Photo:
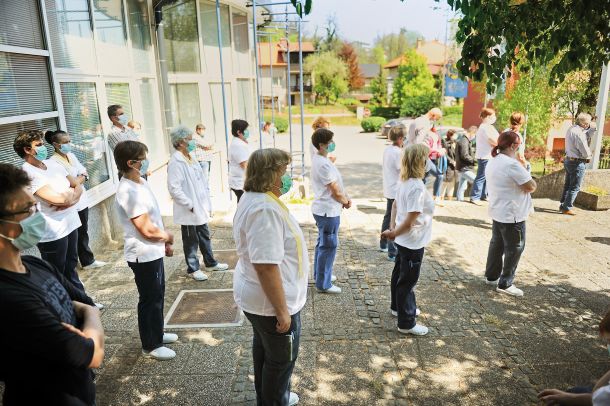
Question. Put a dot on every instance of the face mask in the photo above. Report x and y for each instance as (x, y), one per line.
(41, 153)
(331, 147)
(286, 183)
(65, 148)
(33, 229)
(144, 167)
(492, 119)
(191, 146)
(123, 119)
(247, 134)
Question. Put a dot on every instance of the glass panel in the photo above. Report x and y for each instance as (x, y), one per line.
(181, 36)
(185, 104)
(71, 33)
(152, 129)
(118, 93)
(245, 100)
(8, 132)
(217, 119)
(139, 32)
(242, 63)
(24, 85)
(210, 37)
(83, 124)
(20, 24)
(111, 35)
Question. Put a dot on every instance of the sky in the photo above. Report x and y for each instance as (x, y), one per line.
(363, 20)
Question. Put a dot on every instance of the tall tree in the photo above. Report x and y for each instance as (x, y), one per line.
(414, 90)
(379, 88)
(348, 55)
(396, 44)
(329, 75)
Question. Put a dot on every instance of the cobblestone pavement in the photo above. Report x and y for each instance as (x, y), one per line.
(483, 348)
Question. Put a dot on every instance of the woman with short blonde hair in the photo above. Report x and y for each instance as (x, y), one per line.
(411, 231)
(270, 282)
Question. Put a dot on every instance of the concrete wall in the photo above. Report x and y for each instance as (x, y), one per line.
(551, 186)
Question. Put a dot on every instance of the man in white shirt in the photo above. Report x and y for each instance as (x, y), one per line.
(486, 139)
(239, 152)
(120, 131)
(421, 125)
(578, 154)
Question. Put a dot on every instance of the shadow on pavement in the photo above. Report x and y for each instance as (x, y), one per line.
(464, 222)
(601, 240)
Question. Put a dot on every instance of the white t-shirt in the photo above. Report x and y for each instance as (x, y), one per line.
(485, 133)
(74, 168)
(601, 397)
(133, 200)
(266, 233)
(507, 202)
(392, 157)
(323, 173)
(412, 196)
(418, 130)
(60, 223)
(239, 151)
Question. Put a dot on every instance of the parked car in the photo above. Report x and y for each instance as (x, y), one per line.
(385, 129)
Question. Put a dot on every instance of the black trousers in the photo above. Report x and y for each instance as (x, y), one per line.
(238, 193)
(85, 255)
(63, 254)
(150, 280)
(404, 278)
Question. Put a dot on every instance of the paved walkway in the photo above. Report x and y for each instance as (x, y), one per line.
(483, 348)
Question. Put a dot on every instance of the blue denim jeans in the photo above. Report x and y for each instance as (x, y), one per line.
(274, 356)
(387, 217)
(478, 186)
(575, 173)
(150, 280)
(464, 178)
(326, 249)
(194, 237)
(404, 278)
(505, 249)
(432, 170)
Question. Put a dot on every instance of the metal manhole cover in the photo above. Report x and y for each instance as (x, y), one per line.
(204, 308)
(227, 256)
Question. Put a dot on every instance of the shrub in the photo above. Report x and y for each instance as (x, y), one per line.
(372, 124)
(280, 123)
(415, 106)
(348, 101)
(386, 112)
(452, 110)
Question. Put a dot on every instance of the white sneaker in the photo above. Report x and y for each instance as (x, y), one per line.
(511, 290)
(333, 278)
(417, 330)
(294, 399)
(332, 289)
(395, 313)
(99, 305)
(161, 353)
(493, 283)
(218, 267)
(198, 276)
(383, 249)
(169, 338)
(95, 264)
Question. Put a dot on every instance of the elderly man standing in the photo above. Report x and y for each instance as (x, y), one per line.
(421, 125)
(184, 179)
(120, 131)
(578, 154)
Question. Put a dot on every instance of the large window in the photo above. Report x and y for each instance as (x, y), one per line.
(152, 131)
(245, 100)
(85, 129)
(111, 41)
(181, 36)
(139, 32)
(185, 104)
(243, 62)
(19, 25)
(118, 93)
(209, 27)
(8, 132)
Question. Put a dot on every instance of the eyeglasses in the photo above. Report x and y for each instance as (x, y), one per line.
(34, 208)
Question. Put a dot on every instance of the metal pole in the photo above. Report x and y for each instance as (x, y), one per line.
(288, 94)
(258, 86)
(600, 111)
(222, 84)
(302, 102)
(167, 103)
(272, 99)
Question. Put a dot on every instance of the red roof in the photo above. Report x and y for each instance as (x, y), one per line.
(434, 51)
(278, 50)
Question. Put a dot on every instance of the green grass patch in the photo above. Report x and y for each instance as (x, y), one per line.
(597, 191)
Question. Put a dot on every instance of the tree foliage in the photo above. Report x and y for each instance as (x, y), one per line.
(394, 45)
(379, 88)
(348, 55)
(414, 89)
(570, 92)
(329, 75)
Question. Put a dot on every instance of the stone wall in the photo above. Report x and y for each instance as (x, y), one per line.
(551, 186)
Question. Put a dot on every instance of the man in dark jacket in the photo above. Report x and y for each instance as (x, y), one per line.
(465, 159)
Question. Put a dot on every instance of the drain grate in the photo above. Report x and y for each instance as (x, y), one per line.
(204, 308)
(227, 256)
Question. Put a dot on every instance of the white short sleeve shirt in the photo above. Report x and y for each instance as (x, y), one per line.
(60, 223)
(392, 157)
(485, 133)
(74, 168)
(412, 196)
(601, 397)
(323, 173)
(266, 233)
(239, 151)
(133, 200)
(507, 202)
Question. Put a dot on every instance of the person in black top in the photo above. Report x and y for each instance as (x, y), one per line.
(464, 161)
(50, 331)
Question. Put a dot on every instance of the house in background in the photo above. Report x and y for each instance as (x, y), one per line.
(369, 72)
(273, 56)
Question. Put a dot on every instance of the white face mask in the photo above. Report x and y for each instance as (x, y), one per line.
(492, 119)
(123, 120)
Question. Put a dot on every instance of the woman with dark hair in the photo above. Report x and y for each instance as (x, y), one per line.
(239, 152)
(509, 187)
(60, 140)
(450, 145)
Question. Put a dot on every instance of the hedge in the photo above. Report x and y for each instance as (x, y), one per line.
(386, 112)
(280, 123)
(372, 124)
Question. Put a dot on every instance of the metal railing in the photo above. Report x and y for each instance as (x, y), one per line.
(306, 88)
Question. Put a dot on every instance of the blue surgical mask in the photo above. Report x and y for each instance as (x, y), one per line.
(144, 167)
(65, 148)
(247, 134)
(190, 147)
(286, 183)
(33, 228)
(123, 120)
(331, 147)
(41, 153)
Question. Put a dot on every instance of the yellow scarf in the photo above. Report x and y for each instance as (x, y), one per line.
(293, 231)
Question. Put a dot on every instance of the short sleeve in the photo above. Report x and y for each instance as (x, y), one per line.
(37, 181)
(265, 236)
(132, 202)
(80, 169)
(327, 173)
(398, 160)
(415, 200)
(519, 174)
(242, 153)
